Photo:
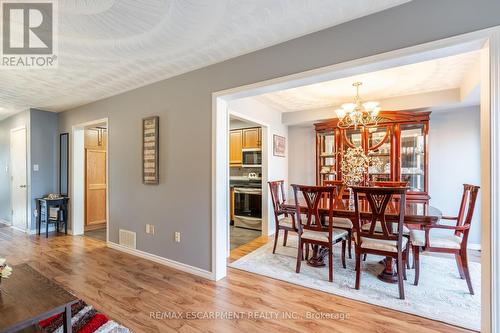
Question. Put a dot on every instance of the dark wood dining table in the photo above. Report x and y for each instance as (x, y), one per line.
(417, 215)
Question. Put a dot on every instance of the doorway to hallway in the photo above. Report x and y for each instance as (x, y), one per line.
(18, 178)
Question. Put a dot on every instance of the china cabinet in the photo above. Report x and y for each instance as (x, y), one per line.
(398, 142)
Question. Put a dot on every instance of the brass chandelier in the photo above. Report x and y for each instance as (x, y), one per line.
(358, 113)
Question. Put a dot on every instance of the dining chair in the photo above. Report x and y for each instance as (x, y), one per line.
(284, 219)
(406, 230)
(341, 222)
(312, 231)
(390, 241)
(455, 243)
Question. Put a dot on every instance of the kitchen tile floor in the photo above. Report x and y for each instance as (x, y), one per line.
(241, 236)
(99, 234)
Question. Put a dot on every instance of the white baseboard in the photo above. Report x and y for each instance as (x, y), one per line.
(163, 261)
(476, 247)
(19, 229)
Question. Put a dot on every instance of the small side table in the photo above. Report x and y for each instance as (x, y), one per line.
(43, 206)
(28, 297)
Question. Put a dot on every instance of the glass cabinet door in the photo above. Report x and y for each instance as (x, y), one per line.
(412, 152)
(379, 147)
(327, 158)
(353, 137)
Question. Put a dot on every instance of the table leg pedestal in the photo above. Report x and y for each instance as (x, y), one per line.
(319, 255)
(389, 274)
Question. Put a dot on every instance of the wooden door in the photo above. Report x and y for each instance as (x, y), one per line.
(235, 146)
(95, 189)
(251, 138)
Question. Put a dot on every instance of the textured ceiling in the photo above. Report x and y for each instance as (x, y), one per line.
(110, 46)
(428, 76)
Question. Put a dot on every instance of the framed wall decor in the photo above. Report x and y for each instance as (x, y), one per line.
(150, 151)
(64, 164)
(279, 145)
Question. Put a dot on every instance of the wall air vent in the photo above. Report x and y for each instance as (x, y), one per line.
(127, 238)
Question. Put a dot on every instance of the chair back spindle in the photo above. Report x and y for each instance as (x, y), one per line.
(313, 196)
(277, 189)
(378, 199)
(466, 211)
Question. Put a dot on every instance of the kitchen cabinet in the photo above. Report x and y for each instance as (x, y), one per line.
(246, 138)
(235, 147)
(252, 138)
(398, 142)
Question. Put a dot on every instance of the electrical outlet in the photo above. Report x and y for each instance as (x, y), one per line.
(177, 237)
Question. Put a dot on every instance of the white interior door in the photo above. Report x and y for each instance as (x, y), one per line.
(18, 177)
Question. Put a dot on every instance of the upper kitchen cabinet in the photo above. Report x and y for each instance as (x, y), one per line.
(235, 147)
(252, 138)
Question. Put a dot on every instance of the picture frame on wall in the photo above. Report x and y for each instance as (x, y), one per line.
(150, 150)
(279, 145)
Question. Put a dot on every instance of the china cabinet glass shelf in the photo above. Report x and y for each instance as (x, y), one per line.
(398, 142)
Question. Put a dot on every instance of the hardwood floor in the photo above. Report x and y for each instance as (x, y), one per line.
(129, 289)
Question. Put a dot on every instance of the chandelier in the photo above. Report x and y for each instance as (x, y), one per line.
(358, 113)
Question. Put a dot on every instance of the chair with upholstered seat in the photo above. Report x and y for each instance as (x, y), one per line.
(455, 243)
(284, 219)
(313, 231)
(406, 230)
(390, 242)
(341, 222)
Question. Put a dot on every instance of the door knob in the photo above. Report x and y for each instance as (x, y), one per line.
(22, 186)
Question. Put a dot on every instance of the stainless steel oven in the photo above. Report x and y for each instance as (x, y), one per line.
(248, 207)
(252, 157)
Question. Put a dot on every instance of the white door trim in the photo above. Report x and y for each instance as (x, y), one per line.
(12, 131)
(440, 48)
(77, 178)
(267, 226)
(494, 258)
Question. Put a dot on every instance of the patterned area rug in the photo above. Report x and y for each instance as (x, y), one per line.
(441, 295)
(84, 319)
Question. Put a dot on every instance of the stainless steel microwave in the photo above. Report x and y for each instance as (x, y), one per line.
(252, 157)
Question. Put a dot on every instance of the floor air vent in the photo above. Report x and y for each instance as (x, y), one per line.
(127, 238)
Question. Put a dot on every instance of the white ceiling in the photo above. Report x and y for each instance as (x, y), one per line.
(436, 75)
(107, 47)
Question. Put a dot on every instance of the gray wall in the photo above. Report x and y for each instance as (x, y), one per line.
(454, 160)
(182, 200)
(17, 120)
(44, 152)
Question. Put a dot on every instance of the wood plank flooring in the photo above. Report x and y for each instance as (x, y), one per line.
(129, 289)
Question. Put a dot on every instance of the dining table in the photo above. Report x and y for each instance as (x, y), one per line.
(417, 215)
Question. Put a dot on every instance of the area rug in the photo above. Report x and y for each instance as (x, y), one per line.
(441, 295)
(84, 319)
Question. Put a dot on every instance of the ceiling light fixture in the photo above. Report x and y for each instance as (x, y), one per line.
(358, 113)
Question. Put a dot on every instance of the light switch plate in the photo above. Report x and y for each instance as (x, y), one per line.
(177, 237)
(150, 229)
(36, 167)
